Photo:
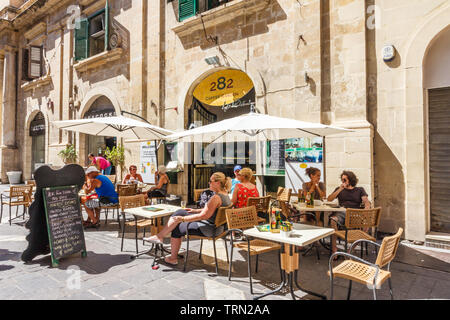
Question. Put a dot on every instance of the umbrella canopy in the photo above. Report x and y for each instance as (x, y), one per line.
(120, 126)
(255, 127)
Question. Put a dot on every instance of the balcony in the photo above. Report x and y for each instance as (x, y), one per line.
(99, 60)
(219, 14)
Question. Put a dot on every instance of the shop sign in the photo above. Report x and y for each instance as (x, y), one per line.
(223, 87)
(37, 127)
(149, 161)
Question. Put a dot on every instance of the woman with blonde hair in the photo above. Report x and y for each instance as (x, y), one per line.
(199, 222)
(245, 189)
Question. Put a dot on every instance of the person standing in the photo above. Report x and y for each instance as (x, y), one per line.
(101, 164)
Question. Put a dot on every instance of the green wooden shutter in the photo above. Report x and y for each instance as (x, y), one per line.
(186, 9)
(82, 40)
(106, 25)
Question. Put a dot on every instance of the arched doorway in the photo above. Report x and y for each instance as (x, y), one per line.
(102, 107)
(437, 85)
(220, 95)
(37, 134)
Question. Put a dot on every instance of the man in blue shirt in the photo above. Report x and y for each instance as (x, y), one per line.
(105, 191)
(235, 181)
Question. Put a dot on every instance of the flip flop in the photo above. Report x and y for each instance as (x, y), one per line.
(170, 263)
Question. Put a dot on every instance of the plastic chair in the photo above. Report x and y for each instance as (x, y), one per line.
(219, 221)
(239, 220)
(364, 272)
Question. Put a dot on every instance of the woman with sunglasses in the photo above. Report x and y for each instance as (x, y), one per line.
(349, 196)
(133, 176)
(200, 222)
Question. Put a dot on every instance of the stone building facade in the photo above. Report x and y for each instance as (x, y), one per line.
(312, 60)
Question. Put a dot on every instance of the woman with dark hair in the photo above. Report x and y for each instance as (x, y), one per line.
(314, 188)
(349, 196)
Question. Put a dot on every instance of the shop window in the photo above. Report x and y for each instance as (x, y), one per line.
(33, 63)
(189, 8)
(91, 38)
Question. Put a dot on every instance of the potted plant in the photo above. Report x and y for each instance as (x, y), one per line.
(69, 154)
(116, 156)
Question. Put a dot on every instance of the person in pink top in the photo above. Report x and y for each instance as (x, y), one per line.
(101, 163)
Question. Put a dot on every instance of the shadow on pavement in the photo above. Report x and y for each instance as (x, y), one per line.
(94, 263)
(411, 256)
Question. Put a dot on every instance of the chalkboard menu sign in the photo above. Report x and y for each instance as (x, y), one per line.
(64, 222)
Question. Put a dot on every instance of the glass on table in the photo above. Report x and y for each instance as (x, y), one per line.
(183, 204)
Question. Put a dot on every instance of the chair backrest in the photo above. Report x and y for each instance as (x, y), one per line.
(285, 209)
(262, 204)
(242, 218)
(284, 194)
(362, 218)
(388, 249)
(20, 191)
(112, 178)
(125, 190)
(221, 217)
(197, 193)
(131, 202)
(30, 182)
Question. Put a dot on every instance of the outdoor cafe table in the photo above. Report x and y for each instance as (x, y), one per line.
(322, 208)
(167, 210)
(302, 235)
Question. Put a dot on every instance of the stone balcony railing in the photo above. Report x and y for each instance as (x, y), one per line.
(219, 15)
(99, 60)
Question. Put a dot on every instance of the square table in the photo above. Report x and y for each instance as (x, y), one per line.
(302, 235)
(167, 210)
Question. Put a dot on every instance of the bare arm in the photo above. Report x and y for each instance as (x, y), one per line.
(140, 178)
(127, 177)
(235, 193)
(367, 204)
(333, 196)
(97, 164)
(207, 212)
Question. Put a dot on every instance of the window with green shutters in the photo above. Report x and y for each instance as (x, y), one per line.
(82, 40)
(187, 9)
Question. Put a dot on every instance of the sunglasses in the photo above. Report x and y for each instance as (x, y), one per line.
(211, 181)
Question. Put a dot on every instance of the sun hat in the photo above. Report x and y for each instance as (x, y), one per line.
(91, 169)
(237, 168)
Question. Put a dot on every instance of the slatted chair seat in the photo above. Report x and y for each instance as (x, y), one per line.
(354, 235)
(360, 272)
(258, 246)
(364, 272)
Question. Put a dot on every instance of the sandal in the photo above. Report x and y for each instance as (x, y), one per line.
(170, 263)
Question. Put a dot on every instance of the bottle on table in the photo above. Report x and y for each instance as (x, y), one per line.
(310, 200)
(273, 221)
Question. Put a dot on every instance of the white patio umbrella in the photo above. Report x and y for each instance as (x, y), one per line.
(255, 127)
(120, 126)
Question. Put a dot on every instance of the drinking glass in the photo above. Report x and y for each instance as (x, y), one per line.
(183, 204)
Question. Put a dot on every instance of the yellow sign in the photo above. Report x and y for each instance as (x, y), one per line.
(303, 166)
(223, 87)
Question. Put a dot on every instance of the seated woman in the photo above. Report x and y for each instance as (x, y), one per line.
(315, 188)
(349, 196)
(162, 182)
(201, 221)
(245, 189)
(133, 176)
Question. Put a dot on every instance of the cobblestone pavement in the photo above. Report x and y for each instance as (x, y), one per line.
(108, 273)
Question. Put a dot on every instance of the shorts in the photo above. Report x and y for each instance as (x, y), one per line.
(340, 218)
(92, 203)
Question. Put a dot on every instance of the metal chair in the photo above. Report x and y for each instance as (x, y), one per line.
(356, 220)
(123, 190)
(364, 272)
(18, 196)
(262, 205)
(220, 221)
(127, 202)
(239, 220)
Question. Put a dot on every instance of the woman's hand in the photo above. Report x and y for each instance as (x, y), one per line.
(178, 219)
(188, 209)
